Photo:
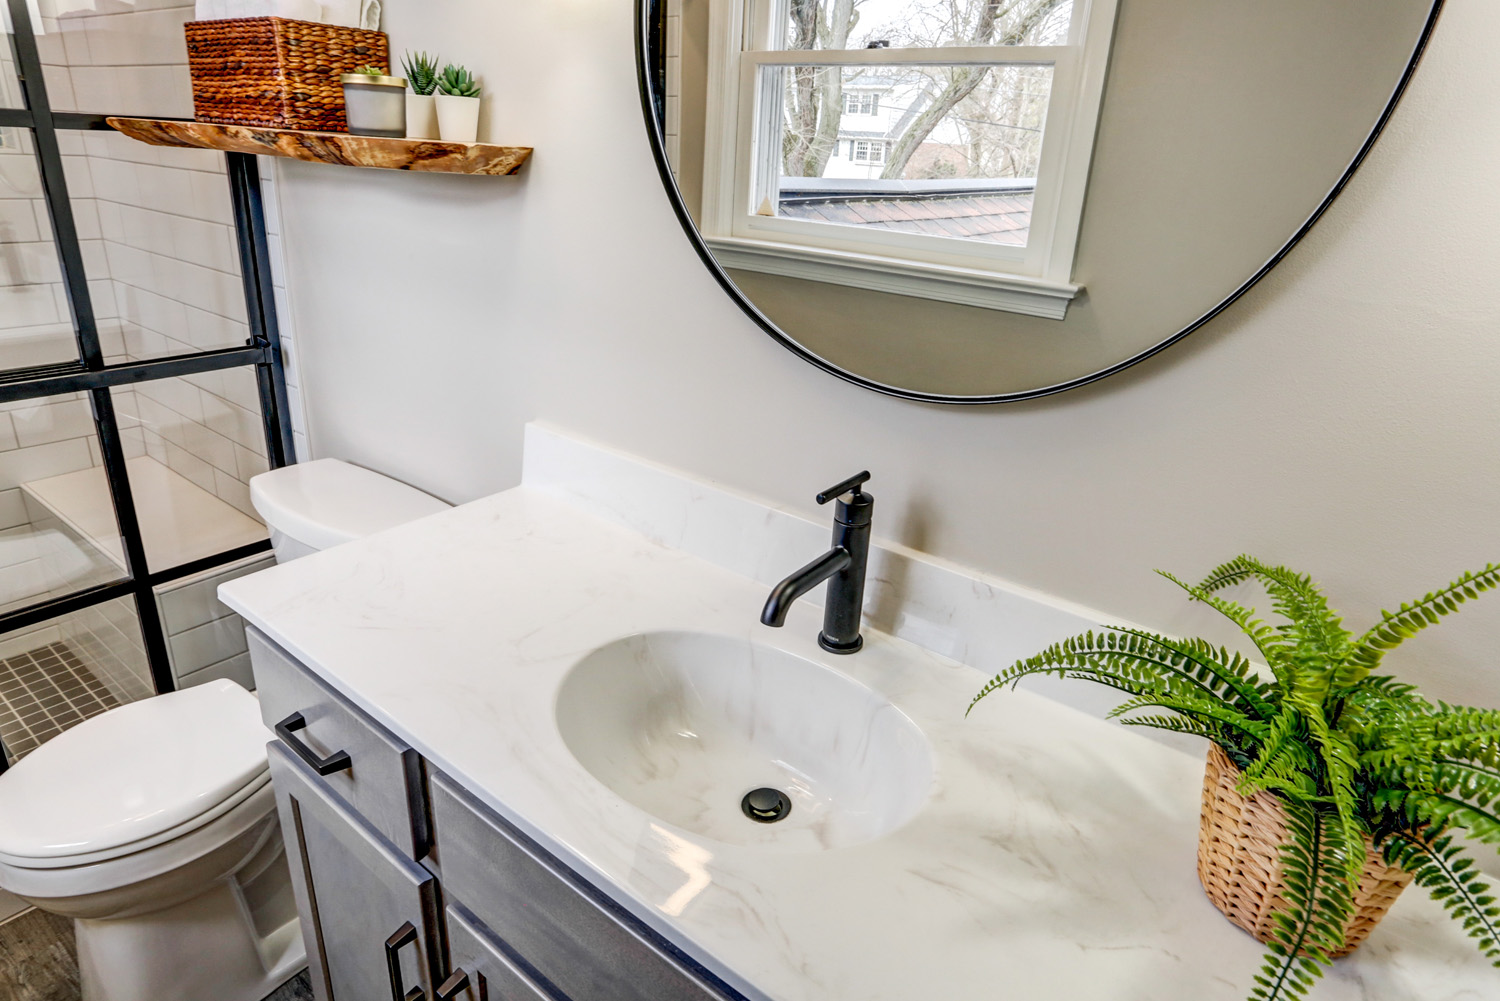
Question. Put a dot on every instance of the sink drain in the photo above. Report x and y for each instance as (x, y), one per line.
(766, 806)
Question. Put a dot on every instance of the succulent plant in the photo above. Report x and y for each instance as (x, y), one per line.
(370, 71)
(455, 81)
(421, 72)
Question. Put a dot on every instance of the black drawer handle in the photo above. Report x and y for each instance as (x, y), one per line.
(453, 986)
(335, 762)
(404, 936)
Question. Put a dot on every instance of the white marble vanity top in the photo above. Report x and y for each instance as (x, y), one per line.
(1054, 860)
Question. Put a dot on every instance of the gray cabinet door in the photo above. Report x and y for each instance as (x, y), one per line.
(588, 949)
(479, 970)
(369, 915)
(381, 776)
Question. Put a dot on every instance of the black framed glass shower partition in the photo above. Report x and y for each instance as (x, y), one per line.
(61, 372)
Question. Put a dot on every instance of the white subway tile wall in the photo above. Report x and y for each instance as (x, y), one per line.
(157, 235)
(159, 244)
(206, 639)
(35, 328)
(41, 556)
(270, 172)
(10, 82)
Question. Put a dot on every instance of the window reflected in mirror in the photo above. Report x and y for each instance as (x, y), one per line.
(870, 24)
(937, 149)
(902, 158)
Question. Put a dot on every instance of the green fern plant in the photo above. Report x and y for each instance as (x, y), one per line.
(421, 72)
(1349, 752)
(456, 81)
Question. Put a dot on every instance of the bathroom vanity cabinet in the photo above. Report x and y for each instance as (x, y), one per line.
(410, 889)
(478, 687)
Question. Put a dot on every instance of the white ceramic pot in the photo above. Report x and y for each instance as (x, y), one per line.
(458, 118)
(421, 116)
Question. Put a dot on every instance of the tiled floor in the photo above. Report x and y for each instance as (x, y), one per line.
(44, 692)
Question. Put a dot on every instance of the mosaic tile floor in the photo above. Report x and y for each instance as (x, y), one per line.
(44, 692)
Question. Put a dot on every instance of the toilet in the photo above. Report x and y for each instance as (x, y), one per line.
(153, 825)
(321, 504)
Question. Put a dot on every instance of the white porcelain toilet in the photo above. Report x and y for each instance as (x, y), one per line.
(321, 504)
(154, 827)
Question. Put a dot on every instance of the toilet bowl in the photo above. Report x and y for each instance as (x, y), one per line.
(153, 826)
(321, 504)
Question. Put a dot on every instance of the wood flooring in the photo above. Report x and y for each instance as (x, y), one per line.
(37, 959)
(38, 962)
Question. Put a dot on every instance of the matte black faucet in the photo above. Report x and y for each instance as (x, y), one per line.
(843, 567)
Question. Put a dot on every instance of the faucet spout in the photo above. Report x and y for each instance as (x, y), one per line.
(843, 567)
(784, 594)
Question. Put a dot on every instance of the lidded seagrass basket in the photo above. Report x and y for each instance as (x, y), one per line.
(1239, 860)
(277, 73)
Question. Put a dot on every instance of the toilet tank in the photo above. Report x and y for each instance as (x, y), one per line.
(321, 504)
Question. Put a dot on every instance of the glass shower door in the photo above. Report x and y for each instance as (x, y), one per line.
(140, 374)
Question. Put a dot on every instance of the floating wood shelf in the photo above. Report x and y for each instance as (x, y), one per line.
(427, 155)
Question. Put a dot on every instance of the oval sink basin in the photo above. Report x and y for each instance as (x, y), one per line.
(686, 726)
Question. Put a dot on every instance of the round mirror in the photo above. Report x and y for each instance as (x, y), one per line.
(979, 201)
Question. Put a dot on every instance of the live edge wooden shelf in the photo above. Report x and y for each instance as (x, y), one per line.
(427, 155)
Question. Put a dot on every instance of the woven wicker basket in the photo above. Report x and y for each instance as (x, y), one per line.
(277, 73)
(1239, 860)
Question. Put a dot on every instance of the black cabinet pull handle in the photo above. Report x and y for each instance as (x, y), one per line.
(403, 936)
(453, 986)
(335, 762)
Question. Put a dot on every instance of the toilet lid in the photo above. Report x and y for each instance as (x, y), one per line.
(326, 502)
(134, 773)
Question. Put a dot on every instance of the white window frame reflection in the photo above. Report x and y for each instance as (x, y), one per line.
(742, 168)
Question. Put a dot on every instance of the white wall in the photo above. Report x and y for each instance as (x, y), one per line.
(1343, 418)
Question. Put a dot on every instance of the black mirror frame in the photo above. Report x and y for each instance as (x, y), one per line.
(647, 12)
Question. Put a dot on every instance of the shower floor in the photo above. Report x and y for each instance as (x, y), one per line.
(44, 692)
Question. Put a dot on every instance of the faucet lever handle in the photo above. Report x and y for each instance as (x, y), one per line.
(838, 490)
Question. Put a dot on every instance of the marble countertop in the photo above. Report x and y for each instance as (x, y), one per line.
(1054, 861)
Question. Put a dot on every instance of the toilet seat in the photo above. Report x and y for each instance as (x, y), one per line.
(133, 778)
(252, 816)
(132, 847)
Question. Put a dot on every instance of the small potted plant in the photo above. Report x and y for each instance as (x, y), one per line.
(375, 104)
(421, 103)
(458, 104)
(1329, 787)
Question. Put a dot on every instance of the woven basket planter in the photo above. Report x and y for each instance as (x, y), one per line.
(277, 73)
(1239, 860)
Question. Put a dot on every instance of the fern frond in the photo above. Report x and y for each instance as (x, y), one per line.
(1315, 636)
(1140, 666)
(1340, 768)
(1207, 712)
(1285, 738)
(1439, 812)
(1318, 907)
(1176, 724)
(1272, 650)
(1226, 575)
(1411, 618)
(1449, 876)
(1227, 674)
